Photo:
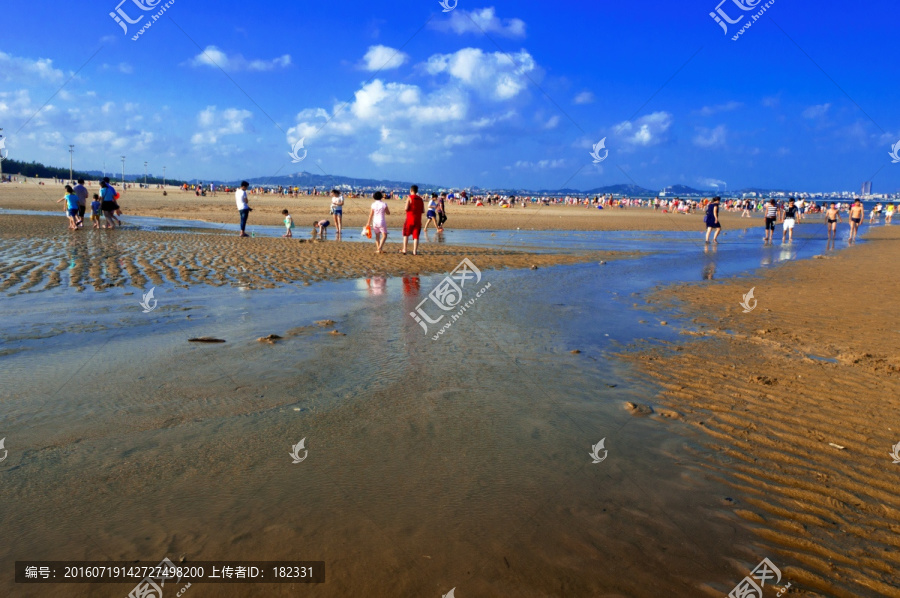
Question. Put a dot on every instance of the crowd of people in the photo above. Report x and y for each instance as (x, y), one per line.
(105, 203)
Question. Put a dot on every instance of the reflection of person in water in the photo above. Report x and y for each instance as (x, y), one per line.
(709, 270)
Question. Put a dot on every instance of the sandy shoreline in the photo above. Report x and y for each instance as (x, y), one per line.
(815, 364)
(267, 211)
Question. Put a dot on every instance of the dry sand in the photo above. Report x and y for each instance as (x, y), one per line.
(267, 211)
(815, 364)
(39, 253)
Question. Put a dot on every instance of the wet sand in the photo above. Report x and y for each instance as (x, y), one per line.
(39, 253)
(815, 364)
(267, 211)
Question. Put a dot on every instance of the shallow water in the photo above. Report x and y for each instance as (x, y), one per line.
(458, 462)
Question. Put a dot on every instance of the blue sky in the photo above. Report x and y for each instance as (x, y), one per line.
(490, 93)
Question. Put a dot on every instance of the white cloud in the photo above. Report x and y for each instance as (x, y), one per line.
(585, 97)
(646, 131)
(214, 124)
(122, 67)
(771, 101)
(709, 138)
(482, 20)
(493, 75)
(540, 164)
(817, 111)
(380, 58)
(22, 70)
(552, 123)
(214, 57)
(726, 107)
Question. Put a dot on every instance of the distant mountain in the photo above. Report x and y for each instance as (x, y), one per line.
(327, 181)
(629, 190)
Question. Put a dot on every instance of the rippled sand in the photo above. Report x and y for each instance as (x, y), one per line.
(39, 253)
(815, 364)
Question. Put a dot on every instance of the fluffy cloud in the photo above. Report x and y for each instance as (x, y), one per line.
(492, 75)
(540, 164)
(817, 111)
(585, 97)
(646, 131)
(709, 138)
(24, 70)
(214, 124)
(380, 58)
(483, 20)
(214, 57)
(726, 107)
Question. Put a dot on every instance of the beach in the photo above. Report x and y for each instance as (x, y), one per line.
(454, 460)
(304, 209)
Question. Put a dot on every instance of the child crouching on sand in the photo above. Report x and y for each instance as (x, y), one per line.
(320, 226)
(288, 224)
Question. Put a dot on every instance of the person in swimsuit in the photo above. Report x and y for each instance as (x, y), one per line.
(377, 220)
(889, 213)
(832, 217)
(712, 219)
(857, 213)
(791, 217)
(771, 216)
(320, 227)
(431, 214)
(415, 207)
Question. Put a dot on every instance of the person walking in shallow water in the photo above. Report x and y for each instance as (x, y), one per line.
(712, 219)
(857, 213)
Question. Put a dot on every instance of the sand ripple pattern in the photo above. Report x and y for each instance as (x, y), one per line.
(831, 515)
(36, 255)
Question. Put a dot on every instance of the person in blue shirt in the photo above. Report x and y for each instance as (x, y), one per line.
(95, 211)
(71, 206)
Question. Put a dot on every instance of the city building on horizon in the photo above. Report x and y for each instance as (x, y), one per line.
(867, 188)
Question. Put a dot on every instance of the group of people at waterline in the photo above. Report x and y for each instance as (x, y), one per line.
(376, 224)
(788, 216)
(105, 203)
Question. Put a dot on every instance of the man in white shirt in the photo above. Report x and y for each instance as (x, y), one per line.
(243, 206)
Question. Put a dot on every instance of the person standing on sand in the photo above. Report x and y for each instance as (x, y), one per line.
(377, 220)
(857, 213)
(337, 209)
(832, 217)
(415, 207)
(243, 206)
(114, 197)
(712, 219)
(791, 217)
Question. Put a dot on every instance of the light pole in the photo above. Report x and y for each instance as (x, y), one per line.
(71, 153)
(1, 155)
(145, 174)
(164, 178)
(123, 174)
